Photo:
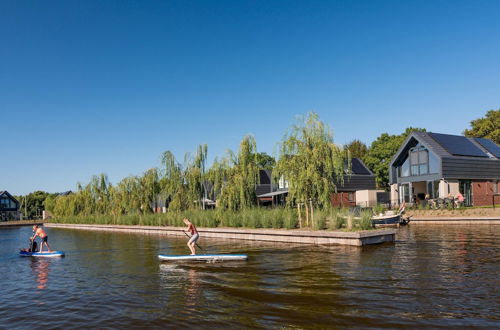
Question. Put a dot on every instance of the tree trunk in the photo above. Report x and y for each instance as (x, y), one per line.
(307, 213)
(300, 215)
(312, 211)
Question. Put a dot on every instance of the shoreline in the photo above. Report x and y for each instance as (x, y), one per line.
(359, 238)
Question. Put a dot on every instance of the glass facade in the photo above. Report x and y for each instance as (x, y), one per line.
(7, 203)
(419, 162)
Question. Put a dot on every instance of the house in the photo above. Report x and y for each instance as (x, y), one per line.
(441, 165)
(269, 194)
(358, 189)
(9, 207)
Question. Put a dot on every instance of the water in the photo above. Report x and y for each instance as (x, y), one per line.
(435, 276)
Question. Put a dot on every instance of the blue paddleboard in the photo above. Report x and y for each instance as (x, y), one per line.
(208, 257)
(42, 254)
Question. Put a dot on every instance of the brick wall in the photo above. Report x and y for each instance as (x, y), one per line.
(342, 199)
(482, 193)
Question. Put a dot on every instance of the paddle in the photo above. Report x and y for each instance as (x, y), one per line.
(194, 242)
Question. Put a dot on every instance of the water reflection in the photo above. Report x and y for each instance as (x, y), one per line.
(431, 277)
(40, 268)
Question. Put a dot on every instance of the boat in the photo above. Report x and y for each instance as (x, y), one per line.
(203, 257)
(51, 254)
(386, 220)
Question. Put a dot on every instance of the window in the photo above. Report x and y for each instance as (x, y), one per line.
(419, 162)
(350, 197)
(495, 186)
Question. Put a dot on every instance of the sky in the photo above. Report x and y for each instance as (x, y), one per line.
(89, 87)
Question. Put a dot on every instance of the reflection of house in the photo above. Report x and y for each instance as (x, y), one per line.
(442, 164)
(358, 189)
(9, 207)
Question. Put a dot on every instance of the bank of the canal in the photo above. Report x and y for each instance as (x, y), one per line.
(356, 238)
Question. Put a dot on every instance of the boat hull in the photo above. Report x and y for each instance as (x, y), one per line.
(389, 220)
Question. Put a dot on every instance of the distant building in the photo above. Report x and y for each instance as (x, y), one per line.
(441, 165)
(9, 207)
(358, 189)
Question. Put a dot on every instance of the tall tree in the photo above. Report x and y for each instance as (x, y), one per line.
(357, 149)
(487, 127)
(264, 161)
(381, 152)
(311, 162)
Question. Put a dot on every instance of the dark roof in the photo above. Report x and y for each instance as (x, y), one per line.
(490, 146)
(458, 145)
(2, 192)
(359, 168)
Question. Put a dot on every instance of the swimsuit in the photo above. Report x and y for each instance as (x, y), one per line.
(45, 239)
(194, 238)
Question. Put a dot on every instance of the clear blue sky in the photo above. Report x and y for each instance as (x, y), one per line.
(106, 86)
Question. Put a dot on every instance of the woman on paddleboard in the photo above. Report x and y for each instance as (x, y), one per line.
(194, 235)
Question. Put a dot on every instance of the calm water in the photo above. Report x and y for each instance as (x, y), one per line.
(431, 277)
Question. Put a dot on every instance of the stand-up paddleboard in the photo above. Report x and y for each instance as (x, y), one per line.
(42, 254)
(205, 257)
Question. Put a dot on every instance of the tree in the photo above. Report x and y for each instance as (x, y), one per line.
(311, 162)
(381, 152)
(487, 127)
(357, 149)
(264, 161)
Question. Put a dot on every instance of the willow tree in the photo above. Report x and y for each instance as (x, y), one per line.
(311, 163)
(194, 176)
(235, 177)
(172, 181)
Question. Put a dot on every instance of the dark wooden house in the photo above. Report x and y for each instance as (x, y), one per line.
(9, 207)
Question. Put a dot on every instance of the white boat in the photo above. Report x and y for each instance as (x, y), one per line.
(204, 257)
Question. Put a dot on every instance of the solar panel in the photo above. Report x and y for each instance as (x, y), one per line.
(358, 168)
(490, 146)
(458, 145)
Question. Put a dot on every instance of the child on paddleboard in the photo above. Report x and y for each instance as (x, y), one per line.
(43, 235)
(194, 235)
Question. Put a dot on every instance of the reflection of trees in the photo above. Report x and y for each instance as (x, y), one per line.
(40, 268)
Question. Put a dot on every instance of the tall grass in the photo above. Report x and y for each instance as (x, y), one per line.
(277, 218)
(248, 218)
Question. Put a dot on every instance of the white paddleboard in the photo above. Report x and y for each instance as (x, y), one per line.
(209, 257)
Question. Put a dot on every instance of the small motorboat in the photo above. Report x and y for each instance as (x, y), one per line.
(386, 220)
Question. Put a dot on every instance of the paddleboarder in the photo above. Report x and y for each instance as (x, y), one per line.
(194, 235)
(43, 235)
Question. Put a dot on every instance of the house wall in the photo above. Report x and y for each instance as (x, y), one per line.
(394, 194)
(366, 198)
(482, 192)
(341, 199)
(466, 168)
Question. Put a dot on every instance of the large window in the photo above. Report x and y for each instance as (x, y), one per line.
(7, 203)
(419, 162)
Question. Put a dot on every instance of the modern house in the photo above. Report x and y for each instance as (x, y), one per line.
(358, 189)
(9, 207)
(441, 165)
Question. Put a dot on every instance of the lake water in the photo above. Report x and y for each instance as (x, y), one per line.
(433, 276)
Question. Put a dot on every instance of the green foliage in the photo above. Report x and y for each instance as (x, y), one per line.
(487, 127)
(365, 221)
(264, 161)
(337, 219)
(32, 204)
(357, 149)
(311, 162)
(381, 152)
